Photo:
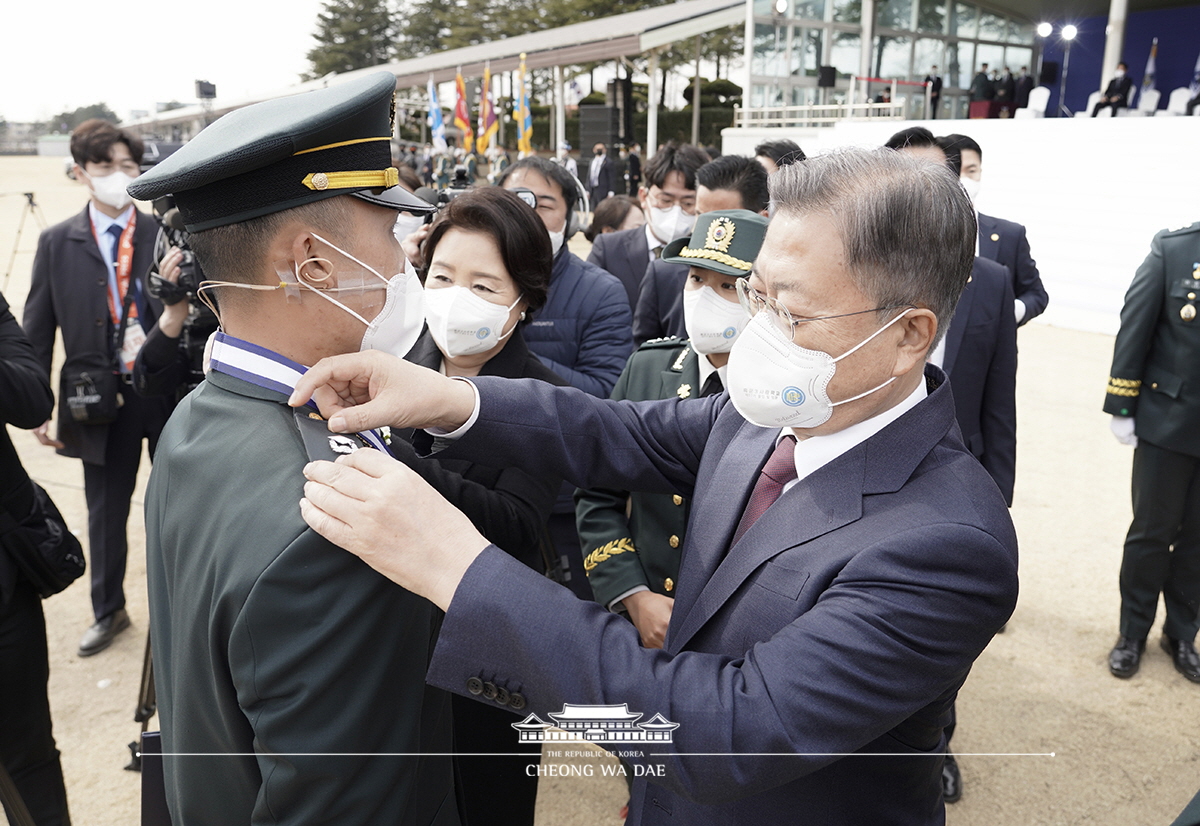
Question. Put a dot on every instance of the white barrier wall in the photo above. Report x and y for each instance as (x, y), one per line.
(1091, 192)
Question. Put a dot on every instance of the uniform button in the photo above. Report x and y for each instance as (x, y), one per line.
(673, 541)
(517, 701)
(1153, 385)
(668, 585)
(99, 322)
(677, 499)
(502, 696)
(490, 690)
(475, 685)
(99, 282)
(1191, 296)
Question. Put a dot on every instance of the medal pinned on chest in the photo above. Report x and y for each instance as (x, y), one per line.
(1188, 311)
(319, 443)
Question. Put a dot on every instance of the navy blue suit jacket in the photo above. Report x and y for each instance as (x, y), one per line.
(981, 360)
(1005, 243)
(844, 621)
(626, 255)
(659, 309)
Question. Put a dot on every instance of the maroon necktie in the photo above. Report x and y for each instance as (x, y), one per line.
(777, 472)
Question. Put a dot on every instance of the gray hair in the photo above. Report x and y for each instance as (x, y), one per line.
(907, 226)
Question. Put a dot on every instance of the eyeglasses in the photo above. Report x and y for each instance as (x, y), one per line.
(754, 302)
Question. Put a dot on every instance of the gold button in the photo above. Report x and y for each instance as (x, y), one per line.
(995, 236)
(1153, 385)
(668, 585)
(320, 181)
(673, 541)
(1191, 296)
(677, 499)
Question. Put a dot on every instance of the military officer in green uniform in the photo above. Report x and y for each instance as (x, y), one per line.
(1154, 398)
(297, 673)
(632, 561)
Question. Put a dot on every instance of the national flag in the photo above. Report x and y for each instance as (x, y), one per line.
(1195, 87)
(437, 129)
(462, 113)
(524, 116)
(1148, 78)
(488, 125)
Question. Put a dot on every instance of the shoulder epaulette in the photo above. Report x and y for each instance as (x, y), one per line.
(1181, 230)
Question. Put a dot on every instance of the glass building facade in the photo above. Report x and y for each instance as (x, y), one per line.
(793, 38)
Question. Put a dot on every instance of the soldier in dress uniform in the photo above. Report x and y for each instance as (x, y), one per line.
(632, 561)
(1154, 398)
(270, 645)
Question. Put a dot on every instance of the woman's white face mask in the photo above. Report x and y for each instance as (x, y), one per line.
(464, 324)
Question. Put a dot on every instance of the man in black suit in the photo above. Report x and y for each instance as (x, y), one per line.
(1002, 241)
(633, 169)
(1006, 86)
(981, 86)
(1024, 87)
(87, 281)
(729, 182)
(600, 175)
(27, 750)
(934, 81)
(1116, 94)
(669, 201)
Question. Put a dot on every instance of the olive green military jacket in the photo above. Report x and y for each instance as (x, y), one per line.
(1155, 374)
(635, 539)
(275, 647)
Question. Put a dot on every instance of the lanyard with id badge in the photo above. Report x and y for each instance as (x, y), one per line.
(121, 305)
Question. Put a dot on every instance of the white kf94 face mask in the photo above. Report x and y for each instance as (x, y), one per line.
(712, 323)
(462, 323)
(775, 383)
(112, 189)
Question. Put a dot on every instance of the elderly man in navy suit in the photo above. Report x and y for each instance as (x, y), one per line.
(846, 560)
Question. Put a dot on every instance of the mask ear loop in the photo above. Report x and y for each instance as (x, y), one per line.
(860, 344)
(204, 286)
(360, 286)
(518, 321)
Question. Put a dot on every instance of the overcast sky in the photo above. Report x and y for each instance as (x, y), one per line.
(62, 54)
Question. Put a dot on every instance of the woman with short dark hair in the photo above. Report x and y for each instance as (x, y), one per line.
(615, 214)
(488, 272)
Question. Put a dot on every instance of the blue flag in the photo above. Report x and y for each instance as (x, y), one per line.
(437, 129)
(1195, 87)
(1148, 78)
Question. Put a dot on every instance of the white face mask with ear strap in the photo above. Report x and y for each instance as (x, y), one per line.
(462, 323)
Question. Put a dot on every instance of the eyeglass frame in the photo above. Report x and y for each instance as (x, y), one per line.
(748, 297)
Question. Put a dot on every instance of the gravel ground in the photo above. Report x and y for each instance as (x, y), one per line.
(1045, 734)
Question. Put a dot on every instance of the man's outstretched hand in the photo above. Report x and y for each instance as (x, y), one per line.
(361, 391)
(383, 512)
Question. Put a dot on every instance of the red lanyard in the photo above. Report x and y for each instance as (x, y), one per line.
(123, 267)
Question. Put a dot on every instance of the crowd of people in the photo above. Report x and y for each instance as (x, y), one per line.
(747, 466)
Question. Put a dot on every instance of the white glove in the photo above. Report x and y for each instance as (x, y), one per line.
(1020, 309)
(1122, 428)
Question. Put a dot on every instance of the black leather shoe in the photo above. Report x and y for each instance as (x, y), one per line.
(1126, 656)
(1183, 653)
(101, 635)
(951, 780)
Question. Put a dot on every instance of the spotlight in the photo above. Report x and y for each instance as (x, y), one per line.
(1069, 32)
(1044, 29)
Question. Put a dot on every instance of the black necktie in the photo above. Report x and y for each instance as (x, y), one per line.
(712, 385)
(114, 231)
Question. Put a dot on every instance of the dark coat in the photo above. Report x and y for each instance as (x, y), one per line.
(506, 505)
(982, 88)
(622, 551)
(605, 184)
(1155, 374)
(981, 361)
(845, 620)
(625, 254)
(659, 310)
(268, 640)
(25, 402)
(633, 173)
(1005, 242)
(69, 292)
(1119, 87)
(583, 331)
(1024, 87)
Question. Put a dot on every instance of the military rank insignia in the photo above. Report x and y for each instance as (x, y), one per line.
(319, 443)
(684, 391)
(720, 234)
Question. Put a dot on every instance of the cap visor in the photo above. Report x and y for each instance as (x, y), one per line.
(671, 251)
(394, 197)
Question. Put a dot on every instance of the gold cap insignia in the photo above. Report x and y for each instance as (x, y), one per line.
(1188, 312)
(668, 585)
(320, 181)
(684, 391)
(720, 234)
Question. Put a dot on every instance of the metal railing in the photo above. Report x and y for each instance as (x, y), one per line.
(899, 108)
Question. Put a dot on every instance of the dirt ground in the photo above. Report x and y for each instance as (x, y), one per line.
(1045, 734)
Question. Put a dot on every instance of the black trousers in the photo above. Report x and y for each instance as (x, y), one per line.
(501, 789)
(1162, 548)
(1116, 107)
(108, 489)
(27, 747)
(1192, 104)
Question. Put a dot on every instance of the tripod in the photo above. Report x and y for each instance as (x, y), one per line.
(30, 207)
(147, 705)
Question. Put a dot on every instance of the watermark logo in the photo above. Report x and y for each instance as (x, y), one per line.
(596, 724)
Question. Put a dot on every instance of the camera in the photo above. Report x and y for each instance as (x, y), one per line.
(201, 322)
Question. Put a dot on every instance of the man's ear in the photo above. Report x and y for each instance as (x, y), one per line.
(918, 329)
(314, 269)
